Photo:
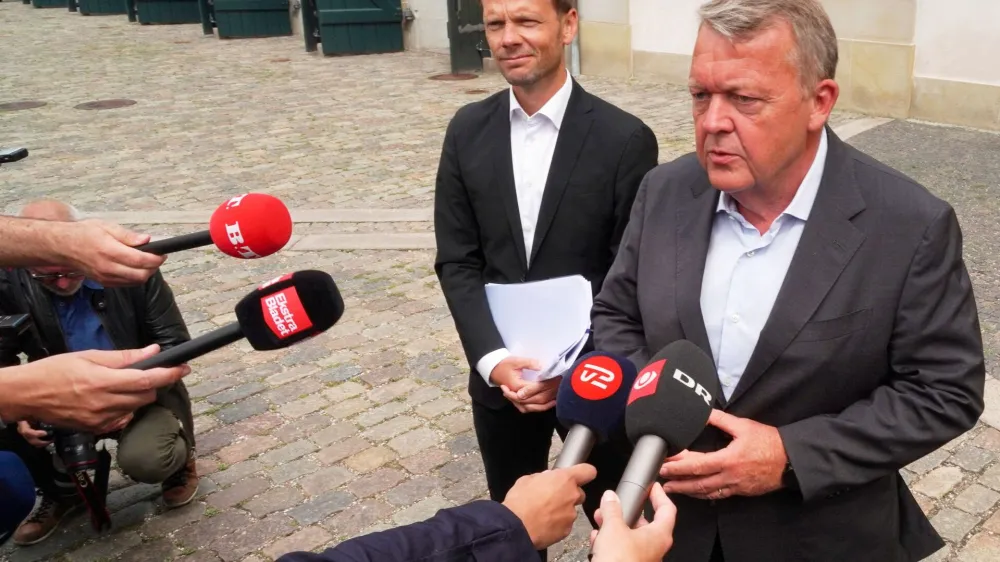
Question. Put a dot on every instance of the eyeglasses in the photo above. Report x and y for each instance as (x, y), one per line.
(56, 276)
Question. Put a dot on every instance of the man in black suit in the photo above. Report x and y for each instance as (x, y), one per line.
(534, 182)
(829, 289)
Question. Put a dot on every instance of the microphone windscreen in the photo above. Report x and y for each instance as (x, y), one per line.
(289, 309)
(594, 392)
(252, 225)
(672, 396)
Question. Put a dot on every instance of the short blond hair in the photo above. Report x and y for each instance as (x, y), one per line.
(816, 52)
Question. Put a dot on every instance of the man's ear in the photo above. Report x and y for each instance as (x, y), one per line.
(824, 98)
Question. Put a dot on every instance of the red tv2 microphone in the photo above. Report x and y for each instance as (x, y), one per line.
(279, 313)
(248, 226)
(591, 402)
(667, 410)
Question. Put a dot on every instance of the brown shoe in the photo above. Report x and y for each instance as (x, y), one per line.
(44, 520)
(180, 488)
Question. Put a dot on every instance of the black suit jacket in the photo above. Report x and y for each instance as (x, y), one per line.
(600, 157)
(871, 358)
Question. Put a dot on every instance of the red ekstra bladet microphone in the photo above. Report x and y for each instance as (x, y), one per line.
(248, 226)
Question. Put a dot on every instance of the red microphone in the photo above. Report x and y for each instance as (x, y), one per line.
(248, 226)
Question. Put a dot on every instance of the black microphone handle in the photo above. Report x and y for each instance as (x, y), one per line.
(643, 465)
(577, 446)
(177, 243)
(191, 349)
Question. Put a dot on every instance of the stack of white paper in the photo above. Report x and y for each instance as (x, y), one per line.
(544, 320)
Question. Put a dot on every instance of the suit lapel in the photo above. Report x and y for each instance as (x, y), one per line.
(694, 230)
(504, 174)
(829, 241)
(572, 135)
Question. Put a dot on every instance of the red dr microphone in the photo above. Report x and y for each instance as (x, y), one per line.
(248, 226)
(668, 408)
(591, 402)
(279, 313)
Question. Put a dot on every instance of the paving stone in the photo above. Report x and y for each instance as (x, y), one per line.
(214, 440)
(972, 458)
(287, 453)
(261, 424)
(125, 497)
(378, 415)
(463, 444)
(342, 450)
(926, 504)
(206, 531)
(321, 507)
(303, 406)
(976, 499)
(340, 374)
(928, 462)
(242, 410)
(209, 387)
(347, 408)
(392, 391)
(414, 490)
(293, 391)
(153, 551)
(993, 523)
(173, 519)
(247, 448)
(336, 432)
(236, 393)
(988, 438)
(940, 556)
(236, 545)
(376, 482)
(991, 477)
(391, 428)
(953, 524)
(344, 391)
(135, 514)
(239, 492)
(237, 472)
(458, 422)
(369, 459)
(350, 522)
(303, 540)
(425, 461)
(466, 490)
(205, 423)
(303, 427)
(292, 374)
(421, 511)
(461, 468)
(276, 499)
(413, 442)
(982, 547)
(326, 479)
(437, 407)
(286, 472)
(107, 548)
(939, 481)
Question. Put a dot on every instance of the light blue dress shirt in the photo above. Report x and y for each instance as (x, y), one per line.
(744, 271)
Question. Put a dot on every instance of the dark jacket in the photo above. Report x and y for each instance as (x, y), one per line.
(482, 531)
(134, 317)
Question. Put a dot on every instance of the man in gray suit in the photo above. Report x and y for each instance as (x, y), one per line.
(829, 289)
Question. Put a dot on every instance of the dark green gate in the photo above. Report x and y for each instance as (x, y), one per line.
(466, 35)
(88, 7)
(49, 3)
(353, 27)
(166, 11)
(252, 18)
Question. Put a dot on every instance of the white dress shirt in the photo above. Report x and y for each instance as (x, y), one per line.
(532, 143)
(744, 271)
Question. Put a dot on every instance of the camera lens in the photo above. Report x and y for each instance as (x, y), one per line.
(77, 451)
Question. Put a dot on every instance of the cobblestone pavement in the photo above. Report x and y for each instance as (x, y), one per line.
(367, 426)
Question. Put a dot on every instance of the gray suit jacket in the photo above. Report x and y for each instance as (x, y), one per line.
(871, 358)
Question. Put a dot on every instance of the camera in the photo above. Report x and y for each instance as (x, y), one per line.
(76, 450)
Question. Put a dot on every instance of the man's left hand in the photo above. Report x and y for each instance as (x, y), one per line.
(535, 396)
(751, 465)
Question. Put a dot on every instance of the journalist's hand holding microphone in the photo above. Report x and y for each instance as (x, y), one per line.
(648, 542)
(546, 502)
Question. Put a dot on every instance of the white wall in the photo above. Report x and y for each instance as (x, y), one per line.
(664, 26)
(958, 40)
(429, 31)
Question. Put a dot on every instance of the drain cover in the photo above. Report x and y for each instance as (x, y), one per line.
(453, 76)
(19, 105)
(477, 91)
(106, 104)
(281, 60)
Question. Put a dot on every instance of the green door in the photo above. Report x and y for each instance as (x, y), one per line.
(252, 18)
(353, 27)
(466, 35)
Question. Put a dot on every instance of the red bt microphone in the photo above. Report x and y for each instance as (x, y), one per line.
(248, 226)
(279, 313)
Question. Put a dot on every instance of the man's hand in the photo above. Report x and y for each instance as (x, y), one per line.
(104, 252)
(36, 437)
(508, 375)
(649, 542)
(751, 465)
(546, 502)
(87, 390)
(535, 396)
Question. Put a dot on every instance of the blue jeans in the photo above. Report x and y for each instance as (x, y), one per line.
(18, 492)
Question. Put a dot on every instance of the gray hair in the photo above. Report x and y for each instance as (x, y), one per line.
(816, 51)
